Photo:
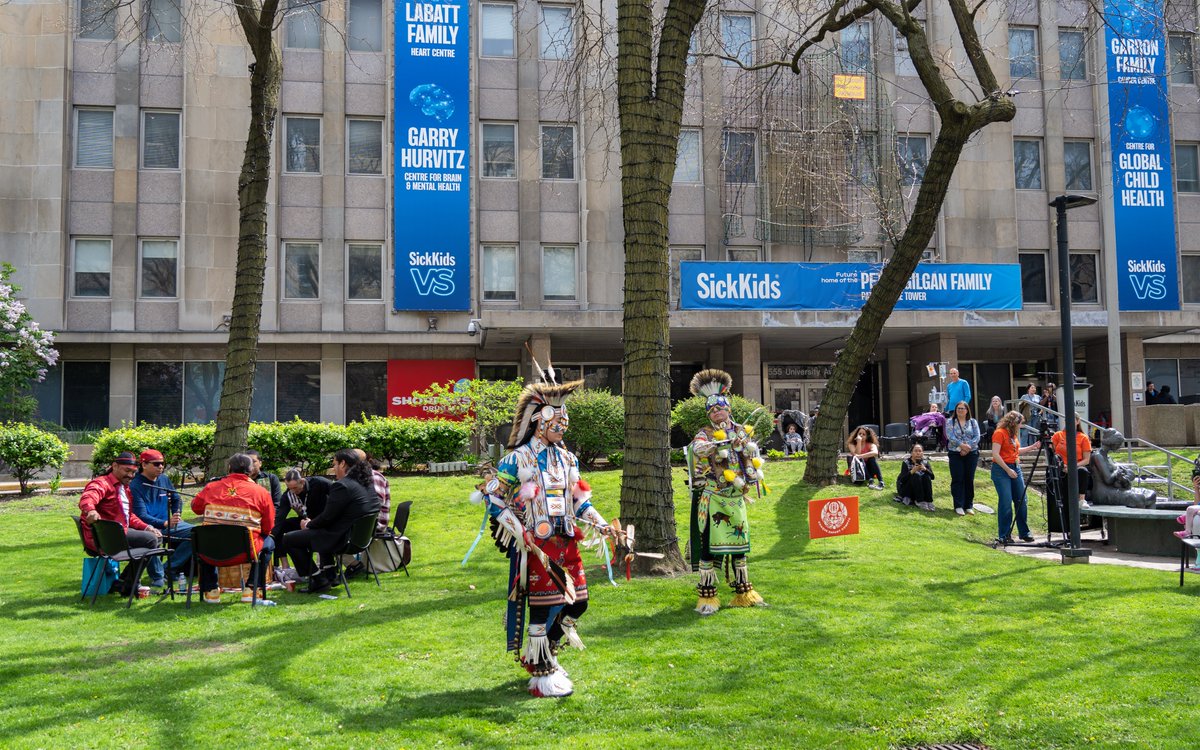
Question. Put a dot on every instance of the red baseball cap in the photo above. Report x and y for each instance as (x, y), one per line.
(149, 455)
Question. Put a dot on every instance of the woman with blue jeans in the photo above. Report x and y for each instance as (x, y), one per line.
(1006, 475)
(962, 450)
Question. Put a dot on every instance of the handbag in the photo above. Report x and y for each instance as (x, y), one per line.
(858, 469)
(103, 574)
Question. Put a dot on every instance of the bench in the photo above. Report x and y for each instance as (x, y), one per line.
(1138, 531)
(1190, 543)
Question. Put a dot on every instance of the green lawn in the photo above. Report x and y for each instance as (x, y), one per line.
(913, 632)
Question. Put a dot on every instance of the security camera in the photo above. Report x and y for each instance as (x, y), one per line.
(474, 326)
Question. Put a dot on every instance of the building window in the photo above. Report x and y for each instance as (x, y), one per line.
(1033, 278)
(160, 258)
(202, 391)
(1085, 283)
(738, 158)
(160, 140)
(303, 144)
(303, 24)
(164, 21)
(262, 403)
(364, 29)
(364, 271)
(602, 377)
(499, 145)
(558, 273)
(366, 390)
(1077, 162)
(498, 267)
(496, 31)
(737, 38)
(92, 268)
(865, 159)
(854, 48)
(1189, 267)
(1187, 168)
(912, 157)
(301, 270)
(97, 19)
(687, 158)
(865, 255)
(498, 372)
(1072, 55)
(94, 138)
(364, 150)
(557, 35)
(904, 61)
(558, 152)
(681, 255)
(298, 391)
(159, 393)
(1164, 372)
(1022, 52)
(1027, 164)
(1183, 69)
(744, 254)
(85, 388)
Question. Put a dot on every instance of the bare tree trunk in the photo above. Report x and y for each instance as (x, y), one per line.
(651, 110)
(241, 356)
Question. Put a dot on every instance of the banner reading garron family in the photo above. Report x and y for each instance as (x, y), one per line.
(1143, 205)
(844, 286)
(431, 227)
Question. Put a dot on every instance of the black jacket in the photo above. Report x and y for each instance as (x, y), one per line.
(270, 483)
(314, 497)
(348, 500)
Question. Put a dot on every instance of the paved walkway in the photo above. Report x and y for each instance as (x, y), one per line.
(1101, 554)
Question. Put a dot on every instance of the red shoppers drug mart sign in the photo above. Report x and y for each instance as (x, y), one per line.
(406, 376)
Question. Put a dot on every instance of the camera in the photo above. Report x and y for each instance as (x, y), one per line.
(473, 326)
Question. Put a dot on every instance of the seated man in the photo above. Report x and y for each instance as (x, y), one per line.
(235, 499)
(107, 498)
(156, 502)
(264, 479)
(350, 498)
(306, 497)
(1083, 457)
(915, 484)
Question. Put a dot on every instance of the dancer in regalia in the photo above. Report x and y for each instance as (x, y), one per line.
(725, 467)
(539, 510)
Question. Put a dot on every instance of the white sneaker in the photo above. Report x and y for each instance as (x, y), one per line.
(960, 511)
(970, 511)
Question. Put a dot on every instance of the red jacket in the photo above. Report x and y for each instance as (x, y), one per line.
(237, 495)
(100, 495)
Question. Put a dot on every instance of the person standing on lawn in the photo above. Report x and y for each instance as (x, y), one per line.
(156, 502)
(537, 503)
(962, 450)
(1006, 475)
(726, 469)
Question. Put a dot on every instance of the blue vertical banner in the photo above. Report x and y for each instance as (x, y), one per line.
(1143, 196)
(432, 155)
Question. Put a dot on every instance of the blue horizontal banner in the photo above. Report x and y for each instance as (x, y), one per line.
(845, 286)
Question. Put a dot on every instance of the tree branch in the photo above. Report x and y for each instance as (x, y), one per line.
(965, 20)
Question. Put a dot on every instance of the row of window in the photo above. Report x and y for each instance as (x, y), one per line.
(1024, 60)
(158, 269)
(1085, 277)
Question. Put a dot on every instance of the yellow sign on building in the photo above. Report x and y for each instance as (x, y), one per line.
(849, 87)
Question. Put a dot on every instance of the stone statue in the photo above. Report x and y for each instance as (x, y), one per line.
(1113, 484)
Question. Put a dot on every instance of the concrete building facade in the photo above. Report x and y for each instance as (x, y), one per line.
(122, 142)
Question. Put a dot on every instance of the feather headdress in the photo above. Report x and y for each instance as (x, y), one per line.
(713, 384)
(538, 402)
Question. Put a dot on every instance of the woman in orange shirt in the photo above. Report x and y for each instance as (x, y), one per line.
(1006, 475)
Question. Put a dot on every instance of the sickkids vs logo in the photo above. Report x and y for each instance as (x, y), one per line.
(432, 273)
(1148, 278)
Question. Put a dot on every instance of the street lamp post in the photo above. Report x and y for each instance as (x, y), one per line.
(1073, 552)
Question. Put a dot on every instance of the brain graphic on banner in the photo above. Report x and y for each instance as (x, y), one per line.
(835, 516)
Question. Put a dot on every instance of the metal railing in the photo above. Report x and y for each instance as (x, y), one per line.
(1143, 475)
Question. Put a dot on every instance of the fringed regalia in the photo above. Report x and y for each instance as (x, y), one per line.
(725, 467)
(537, 499)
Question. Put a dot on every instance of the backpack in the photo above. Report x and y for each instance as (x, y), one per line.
(858, 469)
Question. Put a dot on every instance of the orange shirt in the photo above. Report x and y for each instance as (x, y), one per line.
(1008, 446)
(1082, 444)
(241, 501)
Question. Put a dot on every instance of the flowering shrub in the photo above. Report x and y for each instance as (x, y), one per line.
(26, 352)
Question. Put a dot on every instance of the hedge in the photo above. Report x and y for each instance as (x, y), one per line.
(26, 451)
(597, 425)
(401, 443)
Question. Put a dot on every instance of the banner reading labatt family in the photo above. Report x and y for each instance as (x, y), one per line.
(431, 227)
(1143, 205)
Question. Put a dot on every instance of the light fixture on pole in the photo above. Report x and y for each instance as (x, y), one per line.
(1073, 552)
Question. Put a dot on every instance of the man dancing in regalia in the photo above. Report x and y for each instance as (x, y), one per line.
(538, 503)
(725, 467)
